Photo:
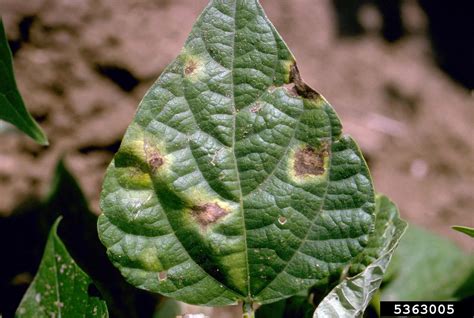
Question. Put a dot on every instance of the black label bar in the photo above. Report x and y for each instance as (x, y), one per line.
(426, 309)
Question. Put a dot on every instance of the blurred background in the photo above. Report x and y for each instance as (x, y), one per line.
(399, 73)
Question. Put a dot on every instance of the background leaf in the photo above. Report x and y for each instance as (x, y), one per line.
(352, 296)
(234, 181)
(60, 288)
(295, 307)
(427, 267)
(464, 229)
(29, 227)
(79, 232)
(12, 107)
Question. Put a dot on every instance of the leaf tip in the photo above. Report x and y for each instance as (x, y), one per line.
(39, 135)
(464, 229)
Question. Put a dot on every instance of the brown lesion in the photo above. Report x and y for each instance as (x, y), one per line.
(162, 276)
(256, 108)
(208, 213)
(154, 159)
(291, 89)
(310, 161)
(190, 67)
(299, 87)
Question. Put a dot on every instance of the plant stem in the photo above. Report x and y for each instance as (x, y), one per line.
(248, 310)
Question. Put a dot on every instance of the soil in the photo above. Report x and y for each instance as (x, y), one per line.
(83, 67)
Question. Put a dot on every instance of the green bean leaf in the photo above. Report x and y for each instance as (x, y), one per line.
(234, 181)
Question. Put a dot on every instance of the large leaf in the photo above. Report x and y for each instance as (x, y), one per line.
(12, 108)
(233, 181)
(351, 297)
(427, 267)
(60, 288)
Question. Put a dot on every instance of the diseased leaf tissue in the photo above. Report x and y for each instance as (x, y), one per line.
(233, 181)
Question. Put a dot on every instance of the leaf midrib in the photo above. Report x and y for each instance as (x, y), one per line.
(236, 166)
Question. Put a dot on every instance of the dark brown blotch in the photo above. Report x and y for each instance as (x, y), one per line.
(300, 87)
(208, 213)
(310, 161)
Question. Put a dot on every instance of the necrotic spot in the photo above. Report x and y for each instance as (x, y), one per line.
(162, 276)
(155, 161)
(153, 157)
(190, 67)
(208, 213)
(282, 220)
(309, 161)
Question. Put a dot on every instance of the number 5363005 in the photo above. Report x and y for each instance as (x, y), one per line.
(423, 309)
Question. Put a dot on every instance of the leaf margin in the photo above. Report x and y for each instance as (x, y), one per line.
(337, 302)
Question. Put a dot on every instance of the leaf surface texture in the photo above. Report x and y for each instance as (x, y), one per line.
(351, 297)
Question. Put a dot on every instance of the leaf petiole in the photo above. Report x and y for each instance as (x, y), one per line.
(248, 311)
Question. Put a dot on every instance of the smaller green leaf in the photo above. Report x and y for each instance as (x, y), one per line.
(464, 229)
(29, 226)
(353, 295)
(60, 288)
(79, 233)
(12, 107)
